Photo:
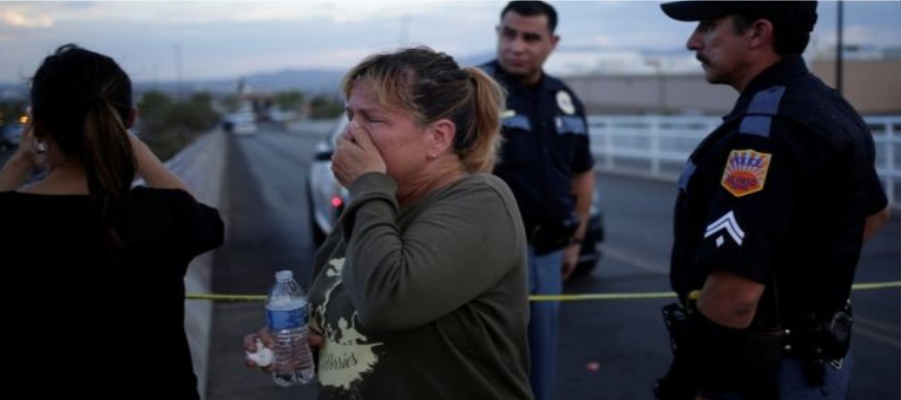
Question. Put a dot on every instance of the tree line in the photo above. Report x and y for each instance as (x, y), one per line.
(168, 123)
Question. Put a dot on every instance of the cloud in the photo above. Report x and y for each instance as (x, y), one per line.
(219, 12)
(219, 38)
(20, 20)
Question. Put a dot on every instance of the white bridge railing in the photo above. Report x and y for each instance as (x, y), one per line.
(658, 146)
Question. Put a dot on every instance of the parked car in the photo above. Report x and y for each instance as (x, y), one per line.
(325, 196)
(240, 124)
(10, 136)
(326, 199)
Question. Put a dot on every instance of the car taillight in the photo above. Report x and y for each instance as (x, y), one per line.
(337, 201)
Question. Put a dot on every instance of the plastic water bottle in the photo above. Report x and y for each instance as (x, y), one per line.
(286, 313)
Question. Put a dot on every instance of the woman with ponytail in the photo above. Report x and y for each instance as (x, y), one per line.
(84, 225)
(420, 290)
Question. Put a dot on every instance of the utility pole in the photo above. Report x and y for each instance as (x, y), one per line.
(153, 76)
(839, 47)
(404, 22)
(661, 83)
(178, 70)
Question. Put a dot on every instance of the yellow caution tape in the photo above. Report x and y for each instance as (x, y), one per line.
(875, 285)
(601, 296)
(544, 297)
(227, 297)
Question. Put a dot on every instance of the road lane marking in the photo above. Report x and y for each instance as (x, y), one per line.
(635, 260)
(878, 331)
(891, 341)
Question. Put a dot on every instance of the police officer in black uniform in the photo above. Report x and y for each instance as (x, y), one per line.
(773, 208)
(546, 161)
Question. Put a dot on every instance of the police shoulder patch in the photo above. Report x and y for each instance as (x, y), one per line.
(745, 172)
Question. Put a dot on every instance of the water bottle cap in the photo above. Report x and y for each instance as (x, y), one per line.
(284, 275)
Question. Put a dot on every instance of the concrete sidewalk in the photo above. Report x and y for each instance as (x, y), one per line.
(264, 203)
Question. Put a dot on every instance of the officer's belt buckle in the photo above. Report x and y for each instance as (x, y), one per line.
(837, 364)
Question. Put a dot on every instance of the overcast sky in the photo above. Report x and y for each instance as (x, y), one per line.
(215, 39)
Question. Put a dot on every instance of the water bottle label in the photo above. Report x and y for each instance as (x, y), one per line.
(287, 319)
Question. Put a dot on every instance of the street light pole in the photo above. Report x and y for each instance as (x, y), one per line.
(178, 69)
(661, 84)
(839, 61)
(404, 21)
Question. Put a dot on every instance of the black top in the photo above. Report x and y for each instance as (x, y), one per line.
(545, 143)
(779, 193)
(129, 308)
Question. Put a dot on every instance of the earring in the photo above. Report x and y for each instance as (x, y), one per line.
(39, 146)
(431, 156)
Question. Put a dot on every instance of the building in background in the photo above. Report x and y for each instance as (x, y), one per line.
(672, 83)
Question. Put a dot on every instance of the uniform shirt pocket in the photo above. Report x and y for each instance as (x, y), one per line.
(571, 133)
(571, 124)
(521, 144)
(517, 122)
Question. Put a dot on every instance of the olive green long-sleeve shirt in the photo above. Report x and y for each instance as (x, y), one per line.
(427, 301)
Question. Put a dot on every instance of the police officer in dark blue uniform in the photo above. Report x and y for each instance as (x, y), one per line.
(773, 208)
(546, 161)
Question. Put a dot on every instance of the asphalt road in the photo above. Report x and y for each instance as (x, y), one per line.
(267, 231)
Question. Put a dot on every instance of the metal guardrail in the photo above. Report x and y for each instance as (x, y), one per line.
(657, 146)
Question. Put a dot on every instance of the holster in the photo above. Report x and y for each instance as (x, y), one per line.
(818, 341)
(744, 360)
(675, 318)
(546, 237)
(681, 381)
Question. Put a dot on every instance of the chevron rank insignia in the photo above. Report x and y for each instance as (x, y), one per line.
(725, 226)
(745, 172)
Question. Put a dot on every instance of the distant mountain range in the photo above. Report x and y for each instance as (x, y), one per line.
(310, 81)
(326, 81)
(313, 81)
(318, 81)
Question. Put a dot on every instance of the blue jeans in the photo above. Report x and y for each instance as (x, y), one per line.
(793, 385)
(544, 278)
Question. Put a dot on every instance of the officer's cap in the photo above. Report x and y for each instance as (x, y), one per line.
(791, 14)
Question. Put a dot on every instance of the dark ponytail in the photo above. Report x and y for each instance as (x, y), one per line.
(82, 100)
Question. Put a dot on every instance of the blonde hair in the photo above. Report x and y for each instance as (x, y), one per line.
(432, 86)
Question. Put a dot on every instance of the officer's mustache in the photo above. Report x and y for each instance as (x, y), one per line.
(700, 57)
